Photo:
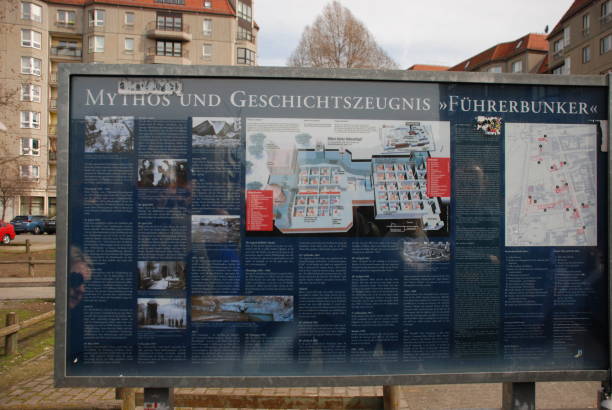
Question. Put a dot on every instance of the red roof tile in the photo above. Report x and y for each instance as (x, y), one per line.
(426, 67)
(575, 8)
(504, 51)
(218, 6)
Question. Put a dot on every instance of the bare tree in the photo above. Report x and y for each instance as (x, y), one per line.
(11, 183)
(337, 39)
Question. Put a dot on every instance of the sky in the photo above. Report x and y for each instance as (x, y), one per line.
(441, 32)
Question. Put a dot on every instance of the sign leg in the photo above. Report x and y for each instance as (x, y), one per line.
(391, 397)
(518, 396)
(159, 398)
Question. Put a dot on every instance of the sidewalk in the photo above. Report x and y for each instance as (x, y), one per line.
(40, 394)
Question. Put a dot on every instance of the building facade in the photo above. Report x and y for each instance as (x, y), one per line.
(37, 35)
(581, 42)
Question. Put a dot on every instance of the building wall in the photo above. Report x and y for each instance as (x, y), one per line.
(600, 63)
(68, 41)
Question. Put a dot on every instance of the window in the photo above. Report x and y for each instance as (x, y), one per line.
(171, 1)
(129, 19)
(558, 45)
(169, 21)
(244, 34)
(129, 44)
(207, 4)
(566, 36)
(567, 66)
(496, 69)
(519, 44)
(30, 146)
(243, 11)
(31, 11)
(207, 50)
(207, 27)
(30, 38)
(517, 67)
(169, 48)
(246, 56)
(96, 44)
(606, 10)
(605, 44)
(96, 18)
(586, 55)
(66, 18)
(30, 92)
(559, 70)
(586, 24)
(30, 65)
(29, 171)
(30, 119)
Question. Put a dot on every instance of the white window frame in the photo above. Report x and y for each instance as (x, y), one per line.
(559, 70)
(244, 11)
(495, 69)
(207, 4)
(207, 27)
(125, 44)
(207, 47)
(586, 24)
(566, 36)
(29, 119)
(129, 18)
(66, 17)
(28, 12)
(96, 44)
(30, 92)
(517, 66)
(606, 11)
(32, 66)
(605, 44)
(558, 45)
(31, 38)
(96, 17)
(29, 171)
(586, 54)
(567, 66)
(30, 147)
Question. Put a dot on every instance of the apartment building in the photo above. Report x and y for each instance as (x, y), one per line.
(581, 42)
(37, 35)
(523, 55)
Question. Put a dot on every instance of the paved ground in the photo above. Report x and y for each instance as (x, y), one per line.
(27, 288)
(40, 394)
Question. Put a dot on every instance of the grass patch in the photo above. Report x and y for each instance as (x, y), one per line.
(34, 341)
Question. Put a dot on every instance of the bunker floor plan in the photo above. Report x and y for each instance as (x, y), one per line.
(316, 186)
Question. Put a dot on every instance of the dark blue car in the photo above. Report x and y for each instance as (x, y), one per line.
(29, 223)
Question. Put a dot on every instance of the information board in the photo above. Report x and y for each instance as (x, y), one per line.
(256, 228)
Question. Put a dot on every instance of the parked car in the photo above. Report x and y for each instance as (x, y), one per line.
(49, 225)
(7, 233)
(28, 223)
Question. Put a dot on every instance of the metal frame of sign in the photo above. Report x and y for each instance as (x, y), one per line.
(67, 71)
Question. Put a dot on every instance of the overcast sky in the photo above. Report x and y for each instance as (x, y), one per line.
(443, 32)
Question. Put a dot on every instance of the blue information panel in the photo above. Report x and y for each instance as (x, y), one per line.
(259, 227)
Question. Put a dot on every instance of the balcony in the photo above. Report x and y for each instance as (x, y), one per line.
(66, 25)
(65, 54)
(159, 31)
(52, 157)
(52, 130)
(52, 104)
(605, 20)
(557, 55)
(153, 57)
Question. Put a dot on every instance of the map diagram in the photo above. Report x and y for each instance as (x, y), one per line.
(551, 185)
